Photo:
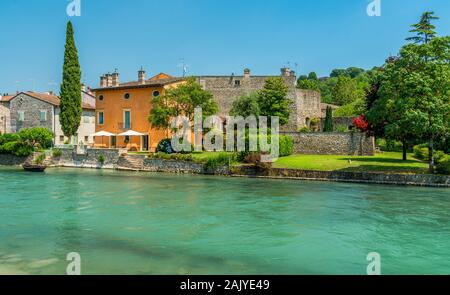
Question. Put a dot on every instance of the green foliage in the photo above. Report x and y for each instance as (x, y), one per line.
(312, 76)
(37, 137)
(353, 109)
(309, 85)
(273, 100)
(341, 128)
(305, 130)
(414, 94)
(219, 160)
(389, 145)
(39, 159)
(246, 105)
(56, 153)
(26, 141)
(421, 152)
(70, 104)
(425, 30)
(101, 159)
(286, 145)
(181, 100)
(347, 91)
(165, 146)
(443, 165)
(328, 124)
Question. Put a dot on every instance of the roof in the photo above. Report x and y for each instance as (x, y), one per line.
(6, 98)
(159, 80)
(49, 98)
(323, 106)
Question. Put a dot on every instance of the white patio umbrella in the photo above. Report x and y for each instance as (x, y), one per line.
(132, 133)
(103, 134)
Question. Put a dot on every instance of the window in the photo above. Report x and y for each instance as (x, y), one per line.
(101, 97)
(43, 116)
(21, 116)
(61, 138)
(237, 83)
(127, 96)
(127, 119)
(86, 139)
(101, 118)
(156, 93)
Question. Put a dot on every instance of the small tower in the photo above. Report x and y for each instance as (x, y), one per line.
(141, 76)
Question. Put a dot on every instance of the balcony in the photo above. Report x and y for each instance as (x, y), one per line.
(124, 126)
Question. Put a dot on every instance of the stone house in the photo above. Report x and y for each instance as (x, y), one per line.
(5, 123)
(32, 109)
(305, 103)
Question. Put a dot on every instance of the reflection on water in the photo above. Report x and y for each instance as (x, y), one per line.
(144, 223)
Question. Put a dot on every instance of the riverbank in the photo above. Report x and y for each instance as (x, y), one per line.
(115, 160)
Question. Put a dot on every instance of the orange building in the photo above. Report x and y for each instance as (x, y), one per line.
(122, 107)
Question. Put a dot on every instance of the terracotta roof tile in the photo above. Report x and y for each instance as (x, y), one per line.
(50, 98)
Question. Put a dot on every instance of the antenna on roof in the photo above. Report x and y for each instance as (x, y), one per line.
(184, 67)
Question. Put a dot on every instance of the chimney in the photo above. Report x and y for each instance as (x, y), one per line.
(83, 87)
(247, 73)
(285, 72)
(141, 76)
(115, 79)
(103, 81)
(108, 80)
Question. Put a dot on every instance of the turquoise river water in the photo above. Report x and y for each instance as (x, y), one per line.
(145, 223)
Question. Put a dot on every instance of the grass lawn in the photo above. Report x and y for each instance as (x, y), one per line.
(383, 162)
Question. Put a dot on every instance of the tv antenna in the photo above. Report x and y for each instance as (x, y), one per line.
(183, 66)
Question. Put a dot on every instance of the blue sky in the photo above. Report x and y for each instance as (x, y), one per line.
(213, 36)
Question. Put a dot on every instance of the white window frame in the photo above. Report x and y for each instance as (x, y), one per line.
(98, 118)
(21, 115)
(123, 116)
(45, 115)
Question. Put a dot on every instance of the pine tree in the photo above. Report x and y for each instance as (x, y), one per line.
(328, 125)
(425, 30)
(70, 104)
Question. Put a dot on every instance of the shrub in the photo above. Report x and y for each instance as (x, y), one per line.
(101, 159)
(421, 152)
(443, 166)
(361, 123)
(341, 128)
(286, 145)
(39, 159)
(389, 145)
(305, 130)
(37, 137)
(56, 153)
(165, 146)
(218, 160)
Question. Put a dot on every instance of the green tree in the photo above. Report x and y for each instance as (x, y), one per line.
(312, 76)
(308, 85)
(37, 137)
(346, 91)
(70, 105)
(246, 105)
(181, 101)
(273, 100)
(425, 30)
(328, 124)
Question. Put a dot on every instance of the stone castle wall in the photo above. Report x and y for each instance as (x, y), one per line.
(349, 143)
(225, 89)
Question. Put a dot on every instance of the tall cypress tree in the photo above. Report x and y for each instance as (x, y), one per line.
(70, 104)
(328, 124)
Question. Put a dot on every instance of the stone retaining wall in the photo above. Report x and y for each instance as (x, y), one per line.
(70, 158)
(11, 160)
(335, 143)
(363, 177)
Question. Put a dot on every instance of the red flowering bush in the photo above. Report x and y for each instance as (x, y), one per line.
(361, 123)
